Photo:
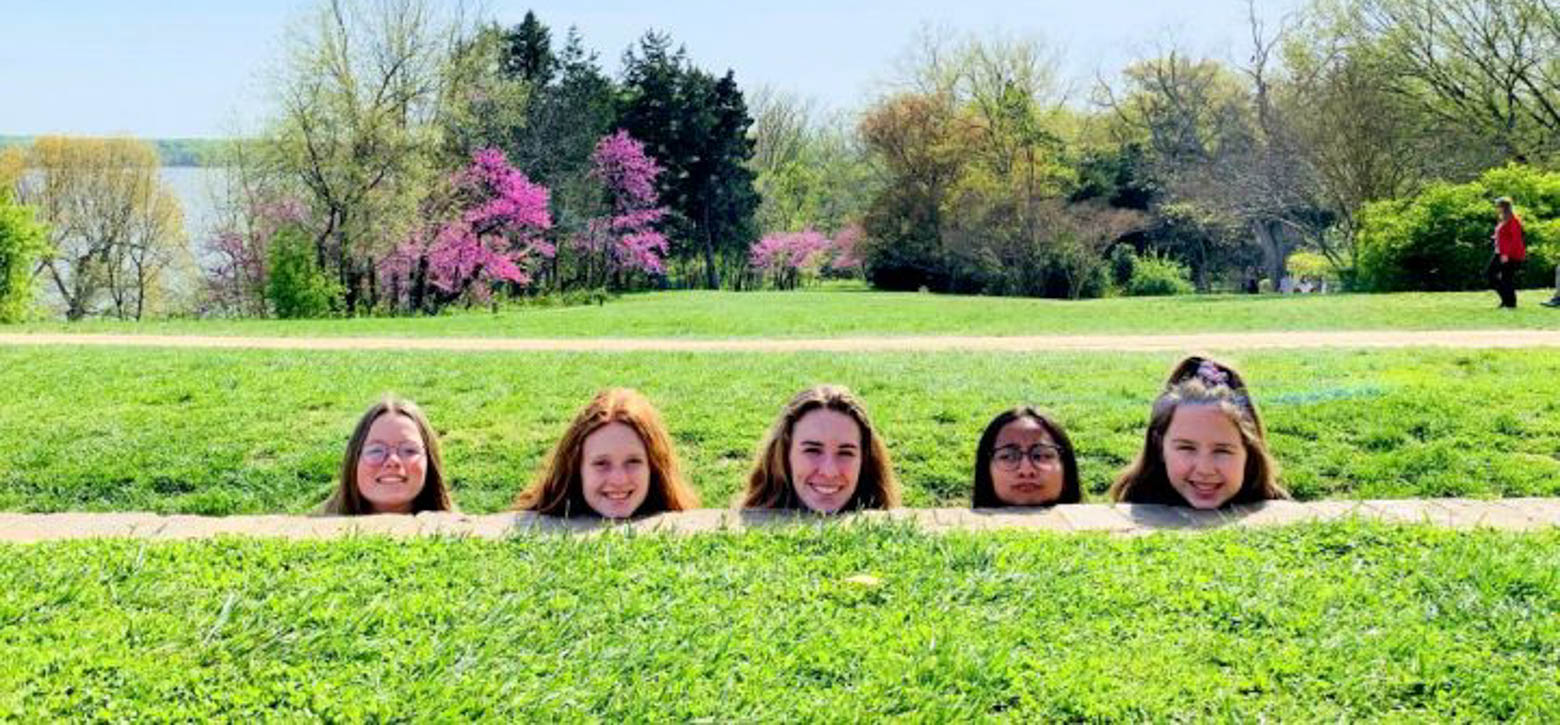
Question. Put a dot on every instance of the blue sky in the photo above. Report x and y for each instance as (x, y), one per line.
(175, 69)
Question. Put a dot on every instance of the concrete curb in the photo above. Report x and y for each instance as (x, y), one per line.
(1512, 514)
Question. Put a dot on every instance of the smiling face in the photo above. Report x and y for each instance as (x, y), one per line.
(614, 471)
(392, 467)
(1026, 465)
(825, 458)
(1205, 457)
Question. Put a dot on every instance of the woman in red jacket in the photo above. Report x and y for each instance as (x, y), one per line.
(1510, 251)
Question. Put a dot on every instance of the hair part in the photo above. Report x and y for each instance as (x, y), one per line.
(985, 494)
(347, 500)
(769, 484)
(559, 489)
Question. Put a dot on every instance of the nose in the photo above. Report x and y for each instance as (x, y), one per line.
(830, 466)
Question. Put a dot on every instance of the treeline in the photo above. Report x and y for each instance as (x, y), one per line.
(170, 151)
(416, 159)
(424, 162)
(989, 177)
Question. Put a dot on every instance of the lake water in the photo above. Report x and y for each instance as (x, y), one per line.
(196, 188)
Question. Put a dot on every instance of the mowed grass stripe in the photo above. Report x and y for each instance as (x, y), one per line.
(1325, 623)
(830, 312)
(236, 431)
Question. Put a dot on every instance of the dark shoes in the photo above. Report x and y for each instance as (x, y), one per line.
(1552, 302)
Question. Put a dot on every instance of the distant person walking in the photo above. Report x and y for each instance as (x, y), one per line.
(1510, 251)
(1554, 301)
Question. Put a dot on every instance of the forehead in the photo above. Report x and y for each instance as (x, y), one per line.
(1024, 431)
(393, 427)
(613, 437)
(1202, 423)
(826, 426)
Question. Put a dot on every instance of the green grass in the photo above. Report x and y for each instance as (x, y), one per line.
(1321, 623)
(246, 431)
(834, 313)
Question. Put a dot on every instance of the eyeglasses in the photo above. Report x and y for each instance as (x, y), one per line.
(377, 453)
(1042, 455)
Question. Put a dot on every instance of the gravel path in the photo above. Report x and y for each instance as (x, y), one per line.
(1512, 514)
(1034, 343)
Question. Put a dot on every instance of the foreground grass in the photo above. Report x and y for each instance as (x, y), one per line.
(834, 313)
(1326, 623)
(245, 431)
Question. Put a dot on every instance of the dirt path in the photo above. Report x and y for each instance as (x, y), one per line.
(1514, 514)
(1033, 343)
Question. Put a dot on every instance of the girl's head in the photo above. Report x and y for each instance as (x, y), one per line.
(1025, 459)
(392, 464)
(822, 454)
(615, 461)
(1204, 448)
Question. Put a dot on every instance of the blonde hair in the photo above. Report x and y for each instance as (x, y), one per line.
(559, 489)
(347, 500)
(769, 484)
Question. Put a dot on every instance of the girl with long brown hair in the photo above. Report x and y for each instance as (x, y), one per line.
(1205, 446)
(822, 454)
(392, 464)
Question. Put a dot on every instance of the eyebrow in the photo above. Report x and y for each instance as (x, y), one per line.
(843, 446)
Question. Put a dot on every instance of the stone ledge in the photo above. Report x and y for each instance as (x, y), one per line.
(1515, 514)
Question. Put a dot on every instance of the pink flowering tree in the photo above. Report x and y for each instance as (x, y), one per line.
(623, 239)
(845, 252)
(489, 234)
(237, 275)
(784, 258)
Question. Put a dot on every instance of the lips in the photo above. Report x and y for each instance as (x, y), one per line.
(390, 480)
(622, 495)
(826, 489)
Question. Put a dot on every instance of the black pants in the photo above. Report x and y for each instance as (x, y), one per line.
(1503, 277)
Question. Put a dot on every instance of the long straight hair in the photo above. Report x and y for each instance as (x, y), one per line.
(559, 489)
(348, 500)
(985, 495)
(1148, 481)
(769, 483)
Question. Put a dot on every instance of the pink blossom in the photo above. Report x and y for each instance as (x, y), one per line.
(626, 238)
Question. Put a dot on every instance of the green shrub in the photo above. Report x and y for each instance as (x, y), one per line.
(1123, 261)
(22, 241)
(1440, 240)
(1157, 276)
(297, 287)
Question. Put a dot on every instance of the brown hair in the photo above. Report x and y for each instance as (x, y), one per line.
(559, 489)
(1189, 367)
(348, 500)
(1147, 481)
(769, 485)
(985, 493)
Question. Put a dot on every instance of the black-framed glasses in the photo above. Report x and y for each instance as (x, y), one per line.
(1042, 455)
(377, 453)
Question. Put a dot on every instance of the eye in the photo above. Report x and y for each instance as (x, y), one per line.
(848, 453)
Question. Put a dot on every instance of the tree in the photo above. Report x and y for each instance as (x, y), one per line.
(114, 228)
(487, 232)
(1478, 63)
(696, 128)
(359, 96)
(624, 238)
(22, 242)
(296, 286)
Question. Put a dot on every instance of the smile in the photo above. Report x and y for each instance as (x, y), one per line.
(617, 495)
(827, 489)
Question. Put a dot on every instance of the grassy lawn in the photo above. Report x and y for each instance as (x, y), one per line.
(1331, 622)
(246, 431)
(834, 313)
